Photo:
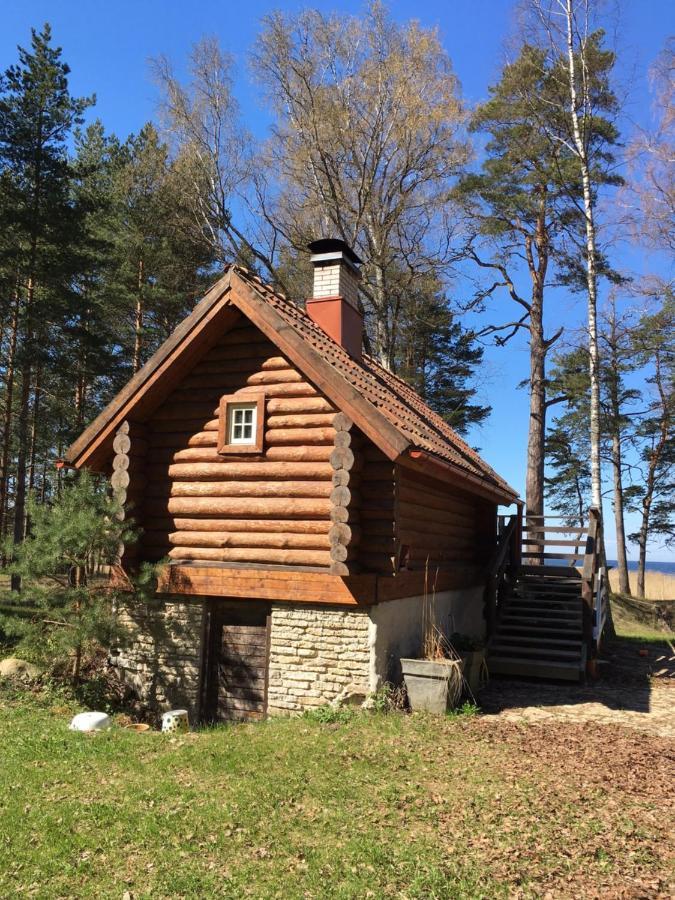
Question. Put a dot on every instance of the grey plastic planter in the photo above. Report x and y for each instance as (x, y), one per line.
(426, 682)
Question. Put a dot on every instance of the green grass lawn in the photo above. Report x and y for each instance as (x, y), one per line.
(374, 806)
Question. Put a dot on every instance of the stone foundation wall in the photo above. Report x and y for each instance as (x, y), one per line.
(159, 655)
(316, 654)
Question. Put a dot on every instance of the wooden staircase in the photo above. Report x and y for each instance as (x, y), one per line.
(546, 616)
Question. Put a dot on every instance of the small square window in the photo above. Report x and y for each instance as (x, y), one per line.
(241, 423)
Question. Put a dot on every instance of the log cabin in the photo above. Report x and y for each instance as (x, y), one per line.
(305, 499)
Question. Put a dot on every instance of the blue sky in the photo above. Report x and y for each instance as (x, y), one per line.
(108, 45)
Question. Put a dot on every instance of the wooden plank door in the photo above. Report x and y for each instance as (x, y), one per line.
(238, 671)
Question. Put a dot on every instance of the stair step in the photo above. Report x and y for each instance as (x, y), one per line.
(567, 671)
(543, 651)
(536, 619)
(550, 571)
(539, 631)
(556, 606)
(543, 640)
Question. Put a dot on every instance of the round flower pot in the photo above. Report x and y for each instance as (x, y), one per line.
(430, 683)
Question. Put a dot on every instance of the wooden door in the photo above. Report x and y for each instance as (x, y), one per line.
(237, 682)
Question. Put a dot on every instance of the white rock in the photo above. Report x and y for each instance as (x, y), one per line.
(90, 721)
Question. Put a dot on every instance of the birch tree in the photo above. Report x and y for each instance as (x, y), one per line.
(573, 44)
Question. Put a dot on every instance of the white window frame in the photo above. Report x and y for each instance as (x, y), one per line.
(232, 410)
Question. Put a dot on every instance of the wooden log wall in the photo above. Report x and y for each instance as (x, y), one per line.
(375, 511)
(439, 525)
(268, 508)
(128, 479)
(344, 532)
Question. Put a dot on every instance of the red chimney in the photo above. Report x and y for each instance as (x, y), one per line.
(334, 304)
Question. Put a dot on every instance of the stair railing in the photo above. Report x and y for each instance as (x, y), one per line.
(594, 587)
(505, 559)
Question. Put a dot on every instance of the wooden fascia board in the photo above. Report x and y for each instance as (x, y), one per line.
(421, 461)
(176, 348)
(325, 376)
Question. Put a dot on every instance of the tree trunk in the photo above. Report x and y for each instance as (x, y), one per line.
(621, 557)
(591, 274)
(9, 404)
(138, 320)
(34, 427)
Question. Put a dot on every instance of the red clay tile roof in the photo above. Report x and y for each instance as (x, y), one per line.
(402, 407)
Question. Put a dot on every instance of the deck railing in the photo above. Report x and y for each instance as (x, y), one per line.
(594, 590)
(502, 567)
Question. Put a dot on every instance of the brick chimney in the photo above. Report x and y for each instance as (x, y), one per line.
(334, 304)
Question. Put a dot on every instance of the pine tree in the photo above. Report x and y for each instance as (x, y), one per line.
(525, 205)
(71, 611)
(437, 356)
(37, 115)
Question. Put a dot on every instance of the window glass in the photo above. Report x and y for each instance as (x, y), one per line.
(242, 424)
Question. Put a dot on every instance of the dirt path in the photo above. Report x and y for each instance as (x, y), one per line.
(635, 689)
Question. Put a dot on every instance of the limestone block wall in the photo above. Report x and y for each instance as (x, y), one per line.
(159, 653)
(316, 653)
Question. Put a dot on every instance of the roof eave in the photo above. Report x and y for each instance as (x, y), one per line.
(428, 463)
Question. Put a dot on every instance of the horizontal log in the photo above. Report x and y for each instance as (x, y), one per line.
(301, 389)
(422, 527)
(229, 470)
(343, 439)
(380, 471)
(341, 478)
(436, 500)
(276, 376)
(120, 479)
(376, 562)
(240, 507)
(285, 436)
(341, 568)
(180, 440)
(264, 556)
(299, 454)
(300, 420)
(339, 514)
(342, 422)
(275, 362)
(191, 424)
(251, 488)
(377, 528)
(251, 539)
(179, 411)
(268, 526)
(436, 540)
(121, 442)
(343, 533)
(232, 365)
(343, 496)
(120, 461)
(342, 458)
(298, 405)
(339, 553)
(409, 510)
